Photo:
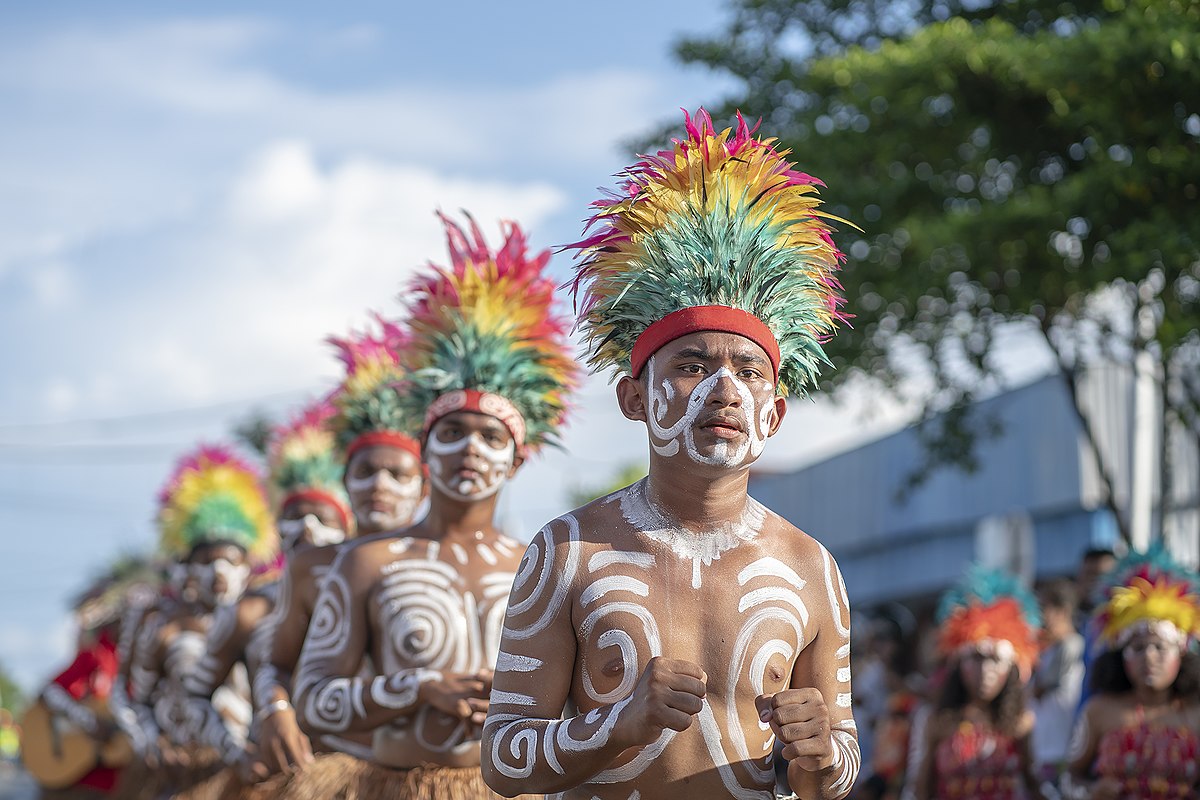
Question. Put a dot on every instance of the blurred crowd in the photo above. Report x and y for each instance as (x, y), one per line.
(904, 681)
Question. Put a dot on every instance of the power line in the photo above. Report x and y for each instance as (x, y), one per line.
(148, 418)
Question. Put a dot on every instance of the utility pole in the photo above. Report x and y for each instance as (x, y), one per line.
(1146, 424)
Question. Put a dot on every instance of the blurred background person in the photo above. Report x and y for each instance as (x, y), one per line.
(1057, 678)
(976, 743)
(1138, 737)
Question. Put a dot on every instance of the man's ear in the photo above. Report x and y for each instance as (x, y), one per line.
(777, 417)
(518, 460)
(631, 397)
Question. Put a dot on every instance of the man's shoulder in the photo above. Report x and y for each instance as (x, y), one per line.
(253, 607)
(368, 550)
(783, 535)
(579, 521)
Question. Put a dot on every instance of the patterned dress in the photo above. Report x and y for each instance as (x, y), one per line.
(979, 763)
(1150, 762)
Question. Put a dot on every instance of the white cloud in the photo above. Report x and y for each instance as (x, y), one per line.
(61, 395)
(53, 284)
(293, 253)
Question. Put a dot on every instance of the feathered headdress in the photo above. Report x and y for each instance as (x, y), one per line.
(719, 233)
(303, 461)
(215, 496)
(367, 405)
(990, 606)
(485, 337)
(1150, 590)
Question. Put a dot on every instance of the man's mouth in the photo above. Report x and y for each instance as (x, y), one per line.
(724, 427)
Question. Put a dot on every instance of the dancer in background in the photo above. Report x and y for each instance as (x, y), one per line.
(305, 482)
(489, 374)
(77, 700)
(679, 625)
(386, 484)
(977, 740)
(214, 520)
(1057, 678)
(1139, 733)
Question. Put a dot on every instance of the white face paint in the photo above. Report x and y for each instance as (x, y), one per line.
(407, 494)
(291, 531)
(728, 453)
(234, 575)
(498, 460)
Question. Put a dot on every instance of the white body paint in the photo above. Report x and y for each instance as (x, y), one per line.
(607, 593)
(431, 621)
(702, 548)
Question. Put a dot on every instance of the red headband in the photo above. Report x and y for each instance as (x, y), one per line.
(482, 403)
(320, 496)
(389, 438)
(722, 319)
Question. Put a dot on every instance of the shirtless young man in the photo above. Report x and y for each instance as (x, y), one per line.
(659, 640)
(213, 518)
(385, 483)
(489, 372)
(306, 477)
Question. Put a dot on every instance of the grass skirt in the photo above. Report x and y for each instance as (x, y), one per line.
(337, 776)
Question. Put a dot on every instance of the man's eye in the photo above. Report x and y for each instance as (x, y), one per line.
(692, 369)
(749, 374)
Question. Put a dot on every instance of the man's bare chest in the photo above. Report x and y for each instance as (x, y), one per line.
(440, 606)
(745, 623)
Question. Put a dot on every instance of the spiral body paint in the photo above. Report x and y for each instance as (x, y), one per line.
(614, 603)
(437, 610)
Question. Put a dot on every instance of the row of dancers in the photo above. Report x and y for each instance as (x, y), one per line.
(356, 626)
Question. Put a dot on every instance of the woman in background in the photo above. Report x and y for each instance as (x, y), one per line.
(977, 740)
(1138, 736)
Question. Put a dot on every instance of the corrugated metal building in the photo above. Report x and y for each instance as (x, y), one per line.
(1035, 504)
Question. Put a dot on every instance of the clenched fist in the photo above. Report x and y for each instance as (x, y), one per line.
(668, 695)
(800, 720)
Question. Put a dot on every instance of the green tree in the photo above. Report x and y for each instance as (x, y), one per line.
(1021, 163)
(255, 430)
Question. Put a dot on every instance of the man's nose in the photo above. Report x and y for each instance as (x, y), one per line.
(725, 392)
(475, 446)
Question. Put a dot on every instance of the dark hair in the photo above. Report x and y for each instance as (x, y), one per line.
(1097, 552)
(1006, 708)
(1109, 676)
(1059, 593)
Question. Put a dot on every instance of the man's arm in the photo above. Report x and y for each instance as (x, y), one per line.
(330, 697)
(225, 645)
(119, 700)
(814, 718)
(64, 693)
(527, 747)
(281, 636)
(144, 675)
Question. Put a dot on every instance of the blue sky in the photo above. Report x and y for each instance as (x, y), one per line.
(194, 195)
